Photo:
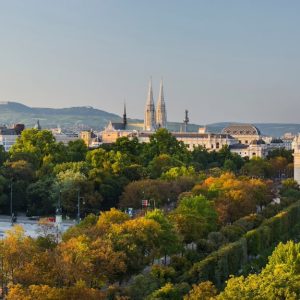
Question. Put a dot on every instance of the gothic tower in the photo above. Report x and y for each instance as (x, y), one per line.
(161, 113)
(149, 121)
(296, 147)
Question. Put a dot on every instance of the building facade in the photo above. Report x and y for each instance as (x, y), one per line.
(296, 147)
(9, 136)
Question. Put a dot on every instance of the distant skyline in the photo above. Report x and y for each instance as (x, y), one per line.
(227, 60)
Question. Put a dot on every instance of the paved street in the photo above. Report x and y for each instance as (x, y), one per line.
(31, 227)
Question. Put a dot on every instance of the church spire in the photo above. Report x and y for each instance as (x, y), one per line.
(161, 113)
(149, 122)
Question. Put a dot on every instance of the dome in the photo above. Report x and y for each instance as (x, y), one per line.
(241, 129)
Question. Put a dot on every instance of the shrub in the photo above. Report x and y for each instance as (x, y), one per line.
(232, 232)
(217, 238)
(229, 259)
(179, 263)
(249, 222)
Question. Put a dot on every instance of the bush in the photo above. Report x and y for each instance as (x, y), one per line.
(220, 264)
(249, 222)
(275, 229)
(179, 263)
(232, 232)
(229, 259)
(206, 246)
(217, 238)
(170, 291)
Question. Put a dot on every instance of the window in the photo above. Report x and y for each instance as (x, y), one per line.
(218, 145)
(246, 142)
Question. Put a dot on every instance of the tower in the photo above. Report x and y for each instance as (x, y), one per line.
(296, 147)
(149, 121)
(124, 117)
(161, 113)
(186, 120)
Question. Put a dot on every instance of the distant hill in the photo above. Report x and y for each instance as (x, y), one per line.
(72, 117)
(86, 117)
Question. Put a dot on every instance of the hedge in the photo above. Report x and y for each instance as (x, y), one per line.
(229, 259)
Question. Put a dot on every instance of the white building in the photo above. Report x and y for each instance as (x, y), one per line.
(7, 141)
(256, 148)
(210, 141)
(296, 147)
(9, 136)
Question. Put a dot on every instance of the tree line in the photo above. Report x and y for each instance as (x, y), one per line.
(38, 172)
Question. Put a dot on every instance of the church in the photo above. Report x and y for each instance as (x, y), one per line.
(243, 139)
(155, 117)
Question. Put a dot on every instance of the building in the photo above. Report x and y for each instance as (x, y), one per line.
(256, 148)
(296, 147)
(9, 136)
(150, 118)
(210, 141)
(244, 133)
(287, 139)
(90, 138)
(110, 134)
(66, 137)
(161, 112)
(121, 125)
(243, 139)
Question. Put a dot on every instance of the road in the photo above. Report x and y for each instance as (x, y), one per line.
(31, 227)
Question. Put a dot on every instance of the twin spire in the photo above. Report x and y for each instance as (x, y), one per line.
(155, 118)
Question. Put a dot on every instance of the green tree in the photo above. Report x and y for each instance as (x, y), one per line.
(34, 146)
(280, 279)
(258, 167)
(163, 142)
(169, 239)
(41, 197)
(76, 151)
(162, 163)
(194, 218)
(204, 291)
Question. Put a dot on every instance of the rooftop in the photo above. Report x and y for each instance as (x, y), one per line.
(241, 129)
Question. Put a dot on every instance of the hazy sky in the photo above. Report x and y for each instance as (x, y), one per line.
(223, 60)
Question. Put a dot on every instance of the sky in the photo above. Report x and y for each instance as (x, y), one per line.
(221, 60)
